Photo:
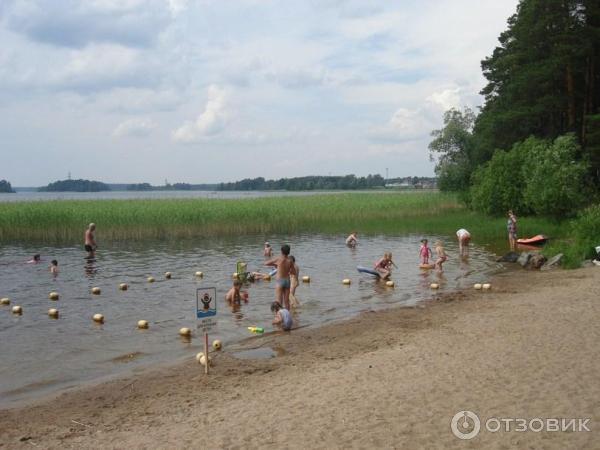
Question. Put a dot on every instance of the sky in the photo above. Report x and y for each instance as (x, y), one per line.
(203, 91)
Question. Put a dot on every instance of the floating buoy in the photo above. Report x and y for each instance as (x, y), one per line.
(346, 281)
(199, 355)
(123, 287)
(96, 291)
(389, 283)
(53, 296)
(52, 312)
(486, 286)
(217, 344)
(306, 279)
(150, 279)
(201, 358)
(98, 318)
(185, 332)
(477, 286)
(17, 310)
(168, 275)
(142, 324)
(199, 274)
(5, 301)
(235, 276)
(267, 277)
(434, 286)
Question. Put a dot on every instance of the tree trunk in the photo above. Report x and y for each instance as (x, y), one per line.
(571, 99)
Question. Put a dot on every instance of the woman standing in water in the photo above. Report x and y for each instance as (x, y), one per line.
(511, 226)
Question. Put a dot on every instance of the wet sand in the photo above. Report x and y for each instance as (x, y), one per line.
(389, 379)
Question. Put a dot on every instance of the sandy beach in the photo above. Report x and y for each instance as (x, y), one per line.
(527, 349)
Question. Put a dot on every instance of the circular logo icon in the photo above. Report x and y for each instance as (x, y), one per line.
(465, 425)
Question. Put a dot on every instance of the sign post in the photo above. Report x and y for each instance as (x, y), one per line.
(206, 314)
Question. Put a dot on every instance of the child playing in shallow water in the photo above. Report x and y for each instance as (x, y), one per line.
(267, 251)
(54, 267)
(234, 296)
(384, 266)
(424, 252)
(294, 303)
(352, 240)
(441, 255)
(282, 316)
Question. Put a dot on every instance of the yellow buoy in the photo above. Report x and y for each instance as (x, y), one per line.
(389, 283)
(98, 318)
(486, 286)
(52, 312)
(123, 287)
(267, 277)
(217, 344)
(434, 286)
(477, 286)
(346, 281)
(235, 276)
(5, 301)
(17, 310)
(201, 358)
(96, 291)
(53, 296)
(142, 324)
(150, 279)
(168, 275)
(199, 274)
(306, 279)
(185, 332)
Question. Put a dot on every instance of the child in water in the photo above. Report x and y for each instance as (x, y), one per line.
(294, 283)
(36, 259)
(352, 240)
(54, 267)
(282, 316)
(234, 296)
(424, 252)
(267, 251)
(441, 255)
(384, 266)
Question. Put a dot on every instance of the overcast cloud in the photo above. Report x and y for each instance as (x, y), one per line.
(206, 91)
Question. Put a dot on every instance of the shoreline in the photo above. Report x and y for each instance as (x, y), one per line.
(380, 379)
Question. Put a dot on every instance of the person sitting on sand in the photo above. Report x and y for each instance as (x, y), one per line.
(54, 267)
(90, 241)
(285, 267)
(352, 240)
(424, 252)
(267, 251)
(441, 255)
(36, 259)
(384, 266)
(234, 296)
(464, 237)
(282, 316)
(294, 283)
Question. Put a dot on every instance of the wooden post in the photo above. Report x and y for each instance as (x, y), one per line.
(206, 353)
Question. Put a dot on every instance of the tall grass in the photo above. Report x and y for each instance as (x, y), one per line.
(65, 221)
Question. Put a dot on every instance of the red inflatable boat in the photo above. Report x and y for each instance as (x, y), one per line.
(535, 240)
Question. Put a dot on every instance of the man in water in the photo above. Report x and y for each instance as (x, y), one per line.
(285, 267)
(90, 241)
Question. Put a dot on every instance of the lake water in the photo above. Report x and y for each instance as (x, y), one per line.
(42, 355)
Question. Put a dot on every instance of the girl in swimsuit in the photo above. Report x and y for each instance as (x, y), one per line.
(384, 266)
(441, 255)
(511, 227)
(424, 252)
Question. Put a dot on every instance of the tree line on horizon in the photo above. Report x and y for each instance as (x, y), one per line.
(534, 145)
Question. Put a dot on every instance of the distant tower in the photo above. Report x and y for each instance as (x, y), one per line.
(69, 175)
(387, 175)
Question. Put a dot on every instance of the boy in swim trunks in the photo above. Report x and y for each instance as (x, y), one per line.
(234, 296)
(282, 316)
(464, 237)
(441, 255)
(424, 252)
(90, 241)
(352, 240)
(285, 267)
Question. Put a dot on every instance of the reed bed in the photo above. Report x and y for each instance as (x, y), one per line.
(64, 221)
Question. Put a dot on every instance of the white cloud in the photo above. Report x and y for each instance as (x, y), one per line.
(446, 99)
(211, 122)
(134, 128)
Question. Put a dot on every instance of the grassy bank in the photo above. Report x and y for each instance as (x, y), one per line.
(65, 221)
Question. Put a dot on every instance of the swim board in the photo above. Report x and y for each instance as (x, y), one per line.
(369, 271)
(273, 272)
(426, 266)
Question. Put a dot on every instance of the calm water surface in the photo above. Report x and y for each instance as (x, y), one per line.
(42, 355)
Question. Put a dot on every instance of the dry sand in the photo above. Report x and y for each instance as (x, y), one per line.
(394, 379)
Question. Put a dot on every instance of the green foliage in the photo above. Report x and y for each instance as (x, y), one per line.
(75, 186)
(5, 187)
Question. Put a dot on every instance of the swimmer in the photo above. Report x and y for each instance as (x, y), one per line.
(294, 283)
(256, 276)
(352, 240)
(36, 259)
(285, 267)
(282, 316)
(234, 296)
(464, 237)
(384, 266)
(54, 267)
(441, 255)
(268, 250)
(90, 241)
(424, 252)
